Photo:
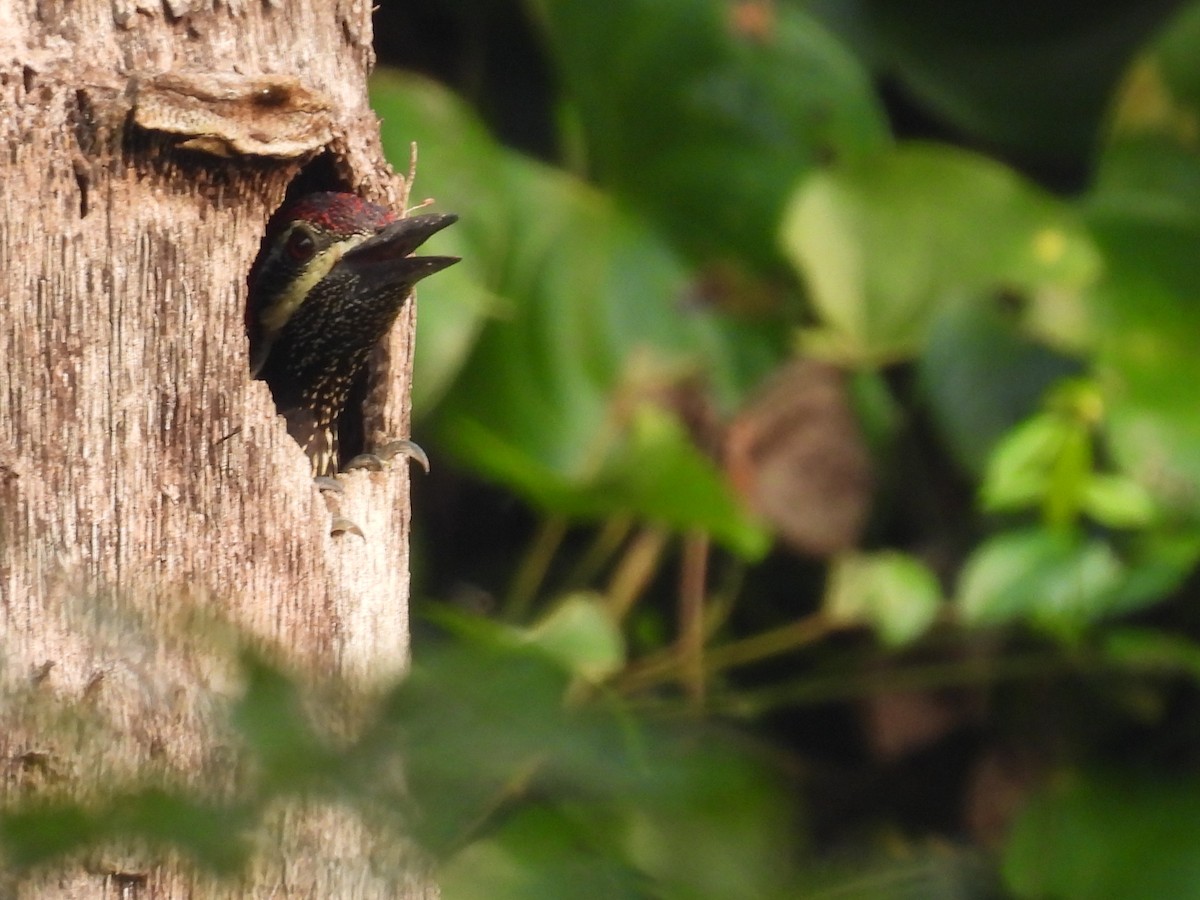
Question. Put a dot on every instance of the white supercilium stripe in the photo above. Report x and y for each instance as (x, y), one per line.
(274, 318)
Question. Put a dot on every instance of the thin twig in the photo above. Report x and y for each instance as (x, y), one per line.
(932, 676)
(531, 574)
(662, 667)
(635, 570)
(602, 548)
(693, 579)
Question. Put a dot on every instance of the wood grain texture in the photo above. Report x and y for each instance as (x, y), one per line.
(150, 497)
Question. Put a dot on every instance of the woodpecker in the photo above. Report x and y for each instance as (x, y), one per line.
(334, 272)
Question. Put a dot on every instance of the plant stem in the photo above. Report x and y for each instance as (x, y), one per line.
(606, 542)
(932, 676)
(634, 571)
(693, 578)
(662, 667)
(532, 572)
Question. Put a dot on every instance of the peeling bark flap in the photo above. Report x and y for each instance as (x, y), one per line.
(228, 114)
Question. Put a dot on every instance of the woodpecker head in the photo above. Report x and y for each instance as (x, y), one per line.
(333, 275)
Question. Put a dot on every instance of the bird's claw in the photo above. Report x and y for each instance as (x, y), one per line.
(342, 525)
(376, 461)
(411, 449)
(339, 525)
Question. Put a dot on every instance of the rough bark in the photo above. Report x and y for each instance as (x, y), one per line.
(146, 483)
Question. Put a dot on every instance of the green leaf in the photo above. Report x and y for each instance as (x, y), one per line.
(1159, 562)
(894, 593)
(271, 720)
(1108, 837)
(472, 721)
(1069, 476)
(709, 824)
(218, 838)
(703, 125)
(667, 479)
(536, 853)
(1145, 345)
(36, 834)
(1018, 473)
(1054, 579)
(884, 246)
(558, 401)
(1151, 651)
(1118, 502)
(456, 166)
(1149, 161)
(580, 633)
(1031, 78)
(215, 837)
(541, 357)
(1145, 213)
(568, 799)
(982, 376)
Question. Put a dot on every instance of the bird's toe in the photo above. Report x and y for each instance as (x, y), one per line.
(372, 462)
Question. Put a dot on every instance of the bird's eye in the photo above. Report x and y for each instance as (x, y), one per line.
(300, 245)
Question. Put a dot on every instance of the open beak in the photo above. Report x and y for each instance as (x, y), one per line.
(386, 255)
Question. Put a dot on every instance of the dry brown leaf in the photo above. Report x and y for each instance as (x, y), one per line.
(796, 455)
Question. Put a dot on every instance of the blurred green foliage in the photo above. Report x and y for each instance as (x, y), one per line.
(1014, 296)
(482, 760)
(987, 219)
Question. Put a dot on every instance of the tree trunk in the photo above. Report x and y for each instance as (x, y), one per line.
(146, 484)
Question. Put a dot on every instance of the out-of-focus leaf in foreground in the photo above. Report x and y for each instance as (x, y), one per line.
(506, 776)
(1104, 837)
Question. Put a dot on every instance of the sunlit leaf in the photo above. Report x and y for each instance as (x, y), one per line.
(580, 633)
(1018, 473)
(1118, 501)
(883, 246)
(1070, 474)
(1055, 579)
(892, 592)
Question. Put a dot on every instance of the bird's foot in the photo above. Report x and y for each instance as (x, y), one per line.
(373, 462)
